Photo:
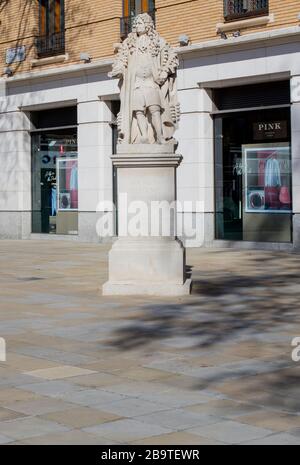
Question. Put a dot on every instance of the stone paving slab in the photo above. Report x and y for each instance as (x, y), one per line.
(56, 389)
(231, 432)
(7, 414)
(272, 420)
(180, 439)
(5, 439)
(211, 368)
(224, 408)
(38, 407)
(275, 440)
(127, 430)
(178, 419)
(92, 397)
(55, 355)
(29, 427)
(80, 417)
(60, 372)
(72, 438)
(132, 407)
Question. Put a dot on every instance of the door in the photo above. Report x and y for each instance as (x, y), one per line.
(48, 200)
(55, 182)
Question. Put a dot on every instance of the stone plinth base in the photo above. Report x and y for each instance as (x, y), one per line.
(147, 266)
(149, 263)
(150, 289)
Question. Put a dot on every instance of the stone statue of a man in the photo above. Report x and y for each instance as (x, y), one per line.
(146, 66)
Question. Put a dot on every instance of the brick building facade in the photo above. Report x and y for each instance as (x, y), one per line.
(94, 26)
(239, 81)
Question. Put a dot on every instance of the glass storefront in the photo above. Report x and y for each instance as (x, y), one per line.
(55, 182)
(253, 175)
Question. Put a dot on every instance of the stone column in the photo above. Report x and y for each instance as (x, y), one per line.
(146, 260)
(295, 118)
(15, 175)
(94, 165)
(196, 174)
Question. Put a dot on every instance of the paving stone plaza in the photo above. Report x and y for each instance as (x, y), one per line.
(211, 368)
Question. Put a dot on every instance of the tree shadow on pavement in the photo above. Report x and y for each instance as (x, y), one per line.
(257, 308)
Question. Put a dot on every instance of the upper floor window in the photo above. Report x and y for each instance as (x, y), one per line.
(132, 8)
(239, 9)
(51, 40)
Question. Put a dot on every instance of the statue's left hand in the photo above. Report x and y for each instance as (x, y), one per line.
(162, 77)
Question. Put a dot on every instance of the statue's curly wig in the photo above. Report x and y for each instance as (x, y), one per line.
(150, 31)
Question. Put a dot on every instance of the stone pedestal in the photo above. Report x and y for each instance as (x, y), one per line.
(147, 258)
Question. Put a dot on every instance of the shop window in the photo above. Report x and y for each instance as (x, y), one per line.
(253, 175)
(54, 174)
(51, 40)
(132, 8)
(243, 9)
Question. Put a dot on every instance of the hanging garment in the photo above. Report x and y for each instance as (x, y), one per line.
(262, 163)
(53, 201)
(74, 186)
(272, 184)
(272, 198)
(285, 197)
(272, 173)
(74, 177)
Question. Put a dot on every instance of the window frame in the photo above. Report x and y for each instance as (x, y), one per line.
(51, 17)
(51, 40)
(250, 13)
(145, 7)
(130, 10)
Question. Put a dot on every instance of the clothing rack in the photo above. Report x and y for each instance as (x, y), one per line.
(273, 156)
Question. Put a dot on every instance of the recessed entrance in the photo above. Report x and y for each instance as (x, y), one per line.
(54, 179)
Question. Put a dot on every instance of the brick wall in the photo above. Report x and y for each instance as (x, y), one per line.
(18, 26)
(93, 26)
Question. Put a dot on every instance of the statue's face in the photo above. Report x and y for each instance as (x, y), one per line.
(140, 27)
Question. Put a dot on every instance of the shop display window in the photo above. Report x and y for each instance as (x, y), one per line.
(253, 175)
(67, 176)
(267, 178)
(55, 182)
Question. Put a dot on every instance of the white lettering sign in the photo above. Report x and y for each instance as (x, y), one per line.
(14, 55)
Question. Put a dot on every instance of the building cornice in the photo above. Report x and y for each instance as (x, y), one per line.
(210, 46)
(61, 71)
(289, 34)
